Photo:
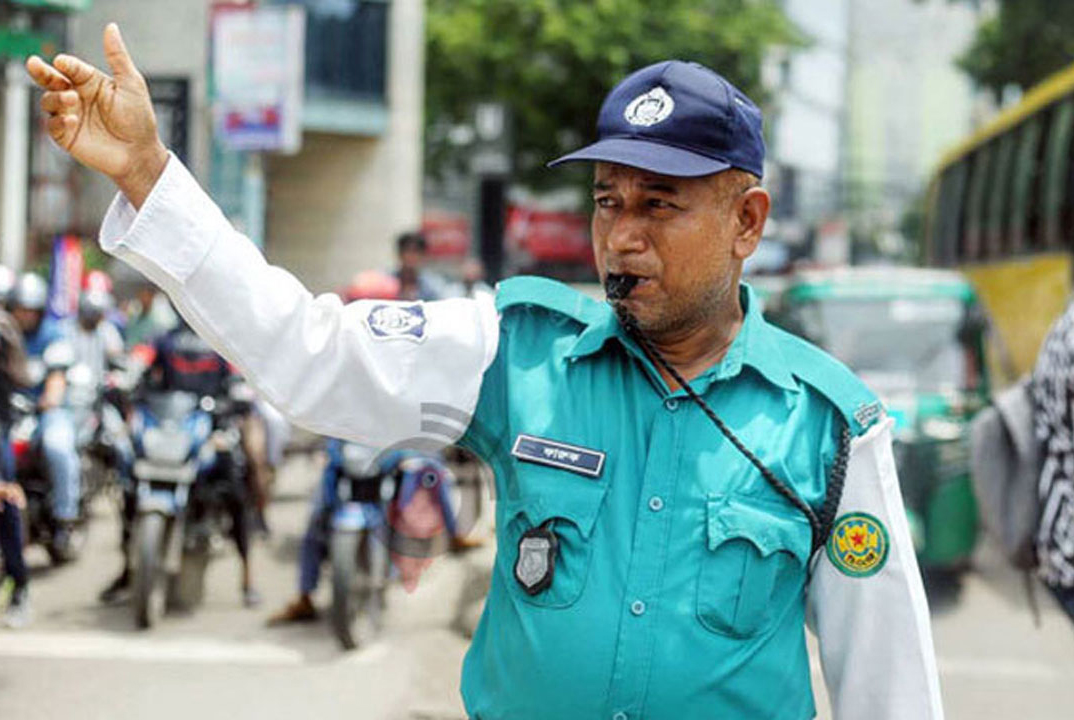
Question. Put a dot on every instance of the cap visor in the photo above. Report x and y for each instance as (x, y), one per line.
(647, 155)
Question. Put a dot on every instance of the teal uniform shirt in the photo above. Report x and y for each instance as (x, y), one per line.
(680, 575)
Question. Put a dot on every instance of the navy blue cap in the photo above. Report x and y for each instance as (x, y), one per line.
(680, 119)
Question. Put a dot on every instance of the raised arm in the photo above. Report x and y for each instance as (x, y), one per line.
(362, 371)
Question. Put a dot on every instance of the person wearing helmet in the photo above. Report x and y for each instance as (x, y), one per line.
(47, 344)
(97, 342)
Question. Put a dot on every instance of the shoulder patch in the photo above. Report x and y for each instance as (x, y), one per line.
(858, 545)
(387, 321)
(857, 404)
(548, 294)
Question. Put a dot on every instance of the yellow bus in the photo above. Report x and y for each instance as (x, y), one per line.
(1001, 209)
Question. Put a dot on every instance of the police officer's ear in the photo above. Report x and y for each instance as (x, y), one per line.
(750, 209)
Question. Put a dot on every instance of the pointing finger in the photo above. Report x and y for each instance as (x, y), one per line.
(79, 72)
(45, 75)
(115, 52)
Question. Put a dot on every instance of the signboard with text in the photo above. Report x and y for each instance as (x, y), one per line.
(258, 70)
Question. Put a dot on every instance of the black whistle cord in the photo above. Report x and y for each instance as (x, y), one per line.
(618, 287)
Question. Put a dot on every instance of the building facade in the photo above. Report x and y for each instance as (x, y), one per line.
(335, 206)
(906, 103)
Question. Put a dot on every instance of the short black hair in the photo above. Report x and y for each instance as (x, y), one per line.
(411, 241)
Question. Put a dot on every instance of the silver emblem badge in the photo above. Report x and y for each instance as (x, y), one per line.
(532, 565)
(649, 108)
(536, 561)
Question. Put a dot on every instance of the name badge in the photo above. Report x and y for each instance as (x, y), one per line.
(559, 455)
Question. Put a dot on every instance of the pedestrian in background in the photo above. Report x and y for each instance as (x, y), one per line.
(13, 377)
(416, 281)
(1052, 387)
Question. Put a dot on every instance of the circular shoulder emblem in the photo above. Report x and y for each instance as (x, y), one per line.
(859, 544)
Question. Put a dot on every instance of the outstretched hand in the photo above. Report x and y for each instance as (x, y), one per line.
(105, 122)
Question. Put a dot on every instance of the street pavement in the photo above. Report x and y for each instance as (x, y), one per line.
(81, 660)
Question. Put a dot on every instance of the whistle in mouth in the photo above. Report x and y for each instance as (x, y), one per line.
(617, 287)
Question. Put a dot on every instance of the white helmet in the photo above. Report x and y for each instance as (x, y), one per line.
(31, 292)
(93, 304)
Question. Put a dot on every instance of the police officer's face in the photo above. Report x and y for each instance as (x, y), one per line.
(685, 237)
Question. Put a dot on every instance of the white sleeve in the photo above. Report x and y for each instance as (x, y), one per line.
(361, 371)
(874, 632)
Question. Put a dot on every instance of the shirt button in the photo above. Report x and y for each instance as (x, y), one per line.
(637, 607)
(619, 716)
(671, 404)
(656, 503)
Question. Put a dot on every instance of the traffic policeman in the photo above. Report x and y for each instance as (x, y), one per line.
(681, 486)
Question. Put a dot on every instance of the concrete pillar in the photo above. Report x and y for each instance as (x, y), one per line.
(14, 174)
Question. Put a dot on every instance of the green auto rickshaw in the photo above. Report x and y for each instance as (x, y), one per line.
(916, 337)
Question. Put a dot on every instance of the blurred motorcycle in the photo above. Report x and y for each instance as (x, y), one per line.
(171, 432)
(220, 493)
(357, 540)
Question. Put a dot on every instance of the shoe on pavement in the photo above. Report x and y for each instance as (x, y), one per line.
(18, 613)
(117, 590)
(251, 598)
(300, 610)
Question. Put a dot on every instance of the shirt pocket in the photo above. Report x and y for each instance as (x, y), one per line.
(573, 503)
(753, 565)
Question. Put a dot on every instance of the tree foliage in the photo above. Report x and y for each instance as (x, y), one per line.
(1023, 43)
(552, 61)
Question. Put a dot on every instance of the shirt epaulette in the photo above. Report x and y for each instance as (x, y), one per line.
(858, 405)
(546, 293)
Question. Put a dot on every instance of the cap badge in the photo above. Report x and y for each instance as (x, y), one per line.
(649, 108)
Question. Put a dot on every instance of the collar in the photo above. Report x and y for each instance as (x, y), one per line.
(755, 345)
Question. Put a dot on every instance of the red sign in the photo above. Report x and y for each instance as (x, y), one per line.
(545, 236)
(447, 233)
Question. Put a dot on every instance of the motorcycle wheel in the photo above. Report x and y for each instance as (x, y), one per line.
(347, 596)
(190, 584)
(379, 568)
(149, 586)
